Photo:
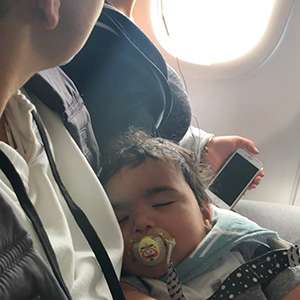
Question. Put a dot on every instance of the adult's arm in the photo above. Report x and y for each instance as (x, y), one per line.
(218, 148)
(294, 294)
(285, 286)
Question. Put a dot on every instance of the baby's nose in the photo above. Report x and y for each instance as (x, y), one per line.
(142, 221)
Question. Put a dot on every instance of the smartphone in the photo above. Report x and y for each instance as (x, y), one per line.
(232, 180)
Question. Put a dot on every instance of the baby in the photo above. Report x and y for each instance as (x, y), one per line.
(177, 244)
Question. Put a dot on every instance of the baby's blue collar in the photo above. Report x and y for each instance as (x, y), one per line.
(229, 230)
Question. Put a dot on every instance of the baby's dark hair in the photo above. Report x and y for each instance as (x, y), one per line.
(136, 147)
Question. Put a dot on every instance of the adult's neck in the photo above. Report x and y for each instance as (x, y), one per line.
(15, 67)
(9, 84)
(124, 6)
(14, 71)
(3, 135)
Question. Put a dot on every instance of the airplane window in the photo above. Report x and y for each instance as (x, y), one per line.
(209, 32)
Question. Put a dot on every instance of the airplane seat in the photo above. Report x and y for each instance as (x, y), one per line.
(284, 219)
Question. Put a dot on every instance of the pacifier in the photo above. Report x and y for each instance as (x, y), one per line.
(153, 248)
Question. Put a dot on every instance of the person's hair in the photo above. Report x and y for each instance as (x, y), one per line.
(135, 147)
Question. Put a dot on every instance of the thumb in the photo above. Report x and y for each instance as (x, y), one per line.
(248, 145)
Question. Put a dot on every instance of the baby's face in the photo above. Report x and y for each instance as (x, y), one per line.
(155, 194)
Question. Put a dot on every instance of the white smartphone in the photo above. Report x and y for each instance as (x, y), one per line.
(232, 180)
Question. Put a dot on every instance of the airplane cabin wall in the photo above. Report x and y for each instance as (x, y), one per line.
(261, 103)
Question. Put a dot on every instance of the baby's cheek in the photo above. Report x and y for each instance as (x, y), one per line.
(125, 229)
(127, 256)
(187, 239)
(129, 262)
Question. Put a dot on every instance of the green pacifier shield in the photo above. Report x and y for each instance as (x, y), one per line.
(150, 250)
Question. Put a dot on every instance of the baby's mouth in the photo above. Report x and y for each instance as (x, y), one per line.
(152, 248)
(149, 252)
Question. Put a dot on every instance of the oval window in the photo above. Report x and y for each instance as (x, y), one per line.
(210, 32)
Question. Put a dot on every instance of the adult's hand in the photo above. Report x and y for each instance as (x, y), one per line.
(219, 149)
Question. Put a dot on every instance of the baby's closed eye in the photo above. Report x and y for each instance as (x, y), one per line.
(162, 204)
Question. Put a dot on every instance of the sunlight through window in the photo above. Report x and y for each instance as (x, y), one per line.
(210, 31)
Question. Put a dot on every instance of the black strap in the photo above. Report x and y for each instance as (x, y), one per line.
(20, 191)
(261, 270)
(82, 221)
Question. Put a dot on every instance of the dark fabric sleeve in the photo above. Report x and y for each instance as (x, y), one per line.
(283, 283)
(179, 119)
(23, 275)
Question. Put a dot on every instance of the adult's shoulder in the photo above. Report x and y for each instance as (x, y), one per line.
(57, 91)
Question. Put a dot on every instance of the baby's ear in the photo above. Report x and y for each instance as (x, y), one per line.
(206, 210)
(49, 12)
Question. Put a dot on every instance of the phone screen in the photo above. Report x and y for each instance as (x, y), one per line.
(233, 179)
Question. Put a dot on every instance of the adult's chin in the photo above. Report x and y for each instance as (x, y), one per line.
(68, 60)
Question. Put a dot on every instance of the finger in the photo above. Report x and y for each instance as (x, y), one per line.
(261, 173)
(256, 181)
(252, 186)
(247, 144)
(251, 147)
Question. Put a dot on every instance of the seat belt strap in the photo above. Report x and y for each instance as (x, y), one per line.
(82, 221)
